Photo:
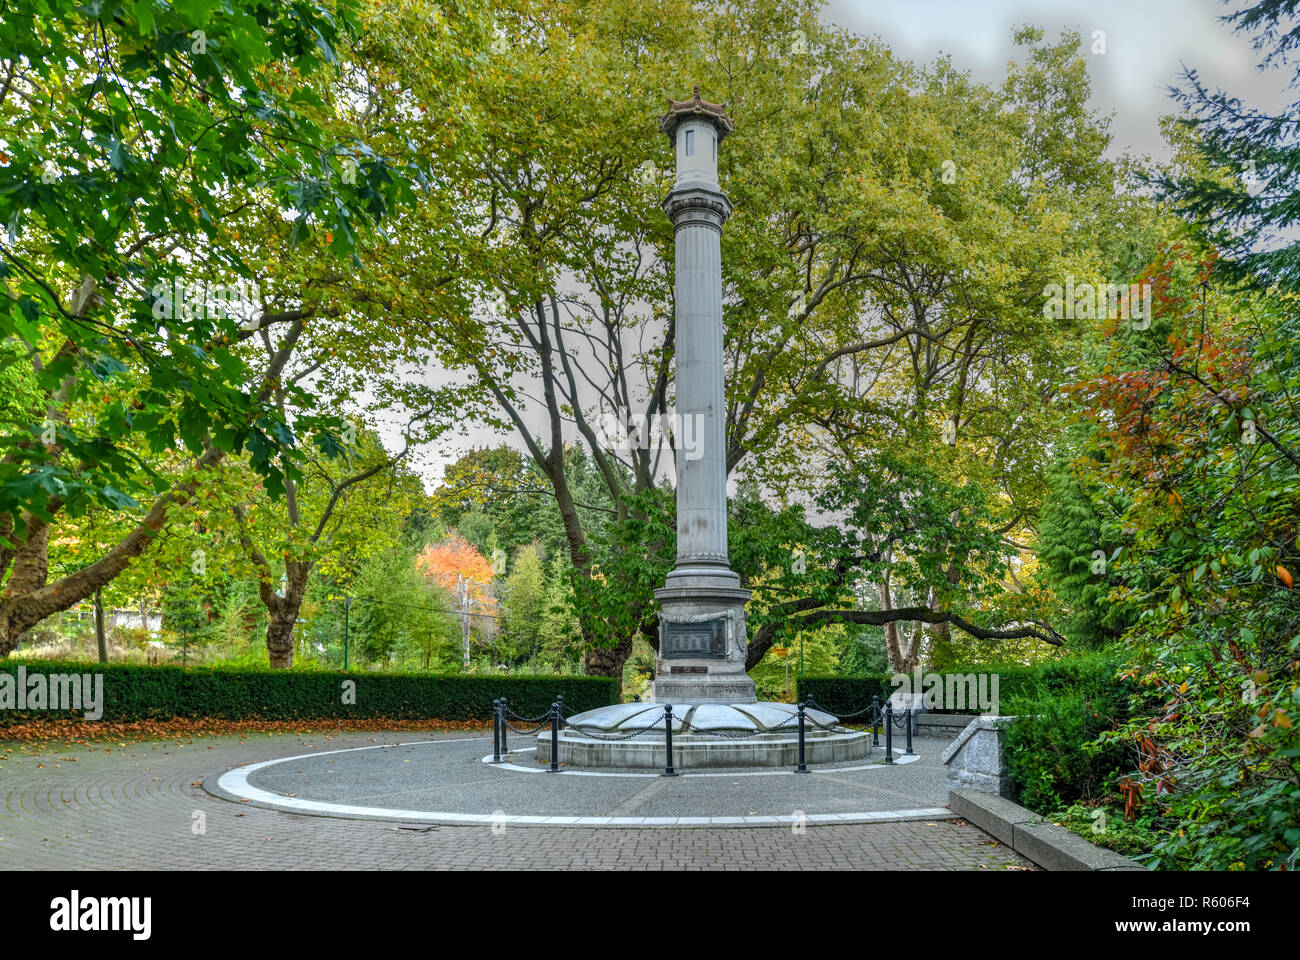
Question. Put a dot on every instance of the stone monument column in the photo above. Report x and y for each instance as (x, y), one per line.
(702, 636)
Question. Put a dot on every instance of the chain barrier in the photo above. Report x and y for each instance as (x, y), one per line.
(899, 721)
(611, 738)
(832, 727)
(545, 716)
(839, 716)
(900, 718)
(528, 733)
(793, 718)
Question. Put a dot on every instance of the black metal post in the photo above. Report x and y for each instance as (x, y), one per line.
(875, 721)
(505, 719)
(911, 718)
(555, 737)
(889, 732)
(496, 731)
(803, 767)
(668, 739)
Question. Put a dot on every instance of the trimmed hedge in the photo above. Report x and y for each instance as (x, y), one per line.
(1015, 682)
(133, 692)
(841, 695)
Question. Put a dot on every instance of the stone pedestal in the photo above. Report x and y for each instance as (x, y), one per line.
(702, 646)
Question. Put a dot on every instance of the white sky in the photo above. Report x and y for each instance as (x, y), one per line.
(1146, 43)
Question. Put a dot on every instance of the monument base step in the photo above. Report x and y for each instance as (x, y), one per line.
(695, 751)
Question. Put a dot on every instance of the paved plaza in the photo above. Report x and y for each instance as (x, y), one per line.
(160, 805)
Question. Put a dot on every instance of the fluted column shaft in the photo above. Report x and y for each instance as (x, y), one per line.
(698, 213)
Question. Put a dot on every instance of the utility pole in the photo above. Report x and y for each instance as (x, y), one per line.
(347, 610)
(462, 590)
(100, 638)
(466, 601)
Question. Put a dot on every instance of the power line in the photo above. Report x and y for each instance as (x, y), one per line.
(416, 606)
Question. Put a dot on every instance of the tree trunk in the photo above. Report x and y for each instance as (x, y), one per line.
(941, 652)
(607, 661)
(282, 612)
(598, 660)
(29, 599)
(903, 655)
(279, 637)
(31, 563)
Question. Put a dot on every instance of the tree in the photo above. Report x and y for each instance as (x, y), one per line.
(496, 491)
(524, 606)
(335, 506)
(150, 133)
(1238, 194)
(1207, 537)
(455, 566)
(869, 297)
(398, 614)
(1078, 534)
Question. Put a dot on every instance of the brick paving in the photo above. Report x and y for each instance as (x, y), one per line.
(138, 807)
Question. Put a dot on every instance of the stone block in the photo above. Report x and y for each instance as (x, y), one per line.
(975, 759)
(993, 814)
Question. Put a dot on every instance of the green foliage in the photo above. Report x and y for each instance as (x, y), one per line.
(1242, 171)
(817, 652)
(1199, 449)
(1061, 708)
(843, 695)
(1107, 827)
(1094, 674)
(399, 616)
(117, 105)
(1076, 542)
(187, 616)
(134, 693)
(524, 602)
(1050, 748)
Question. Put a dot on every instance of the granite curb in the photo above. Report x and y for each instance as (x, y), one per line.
(1034, 838)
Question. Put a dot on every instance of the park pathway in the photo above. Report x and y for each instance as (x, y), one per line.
(141, 806)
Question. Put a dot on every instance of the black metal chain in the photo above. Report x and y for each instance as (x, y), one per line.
(686, 726)
(832, 727)
(613, 738)
(544, 716)
(793, 718)
(526, 733)
(841, 716)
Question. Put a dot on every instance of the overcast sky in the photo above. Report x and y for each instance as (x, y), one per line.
(1146, 44)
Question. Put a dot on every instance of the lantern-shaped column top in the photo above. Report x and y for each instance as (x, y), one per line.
(696, 127)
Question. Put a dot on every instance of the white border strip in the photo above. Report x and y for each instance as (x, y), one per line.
(236, 783)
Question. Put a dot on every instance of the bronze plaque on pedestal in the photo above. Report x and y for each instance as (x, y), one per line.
(707, 639)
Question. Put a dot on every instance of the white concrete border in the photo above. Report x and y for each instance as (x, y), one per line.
(235, 782)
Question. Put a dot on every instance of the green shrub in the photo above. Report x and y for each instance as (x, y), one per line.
(1105, 826)
(1053, 753)
(1015, 682)
(135, 692)
(843, 695)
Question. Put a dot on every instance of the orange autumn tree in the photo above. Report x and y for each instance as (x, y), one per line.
(455, 557)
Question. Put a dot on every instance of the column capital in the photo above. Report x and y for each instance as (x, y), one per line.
(697, 206)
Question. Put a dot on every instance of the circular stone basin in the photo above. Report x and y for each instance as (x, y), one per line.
(704, 735)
